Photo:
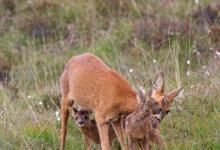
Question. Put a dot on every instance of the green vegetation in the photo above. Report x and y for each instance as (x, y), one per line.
(137, 38)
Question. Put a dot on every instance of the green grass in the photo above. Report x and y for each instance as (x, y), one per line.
(106, 28)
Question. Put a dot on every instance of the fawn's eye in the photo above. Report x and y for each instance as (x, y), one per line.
(76, 118)
(167, 111)
(160, 109)
(86, 117)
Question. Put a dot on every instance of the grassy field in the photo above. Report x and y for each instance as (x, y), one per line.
(137, 38)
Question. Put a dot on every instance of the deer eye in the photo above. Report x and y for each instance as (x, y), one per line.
(86, 117)
(76, 118)
(167, 111)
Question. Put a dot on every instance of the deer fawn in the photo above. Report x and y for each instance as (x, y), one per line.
(139, 124)
(88, 127)
(142, 125)
(88, 82)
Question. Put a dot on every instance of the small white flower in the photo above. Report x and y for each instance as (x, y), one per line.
(203, 67)
(217, 53)
(188, 62)
(192, 86)
(57, 113)
(48, 106)
(131, 70)
(40, 103)
(196, 1)
(29, 96)
(188, 73)
(62, 43)
(211, 48)
(154, 61)
(58, 118)
(207, 73)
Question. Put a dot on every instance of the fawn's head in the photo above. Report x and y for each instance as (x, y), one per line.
(147, 103)
(81, 116)
(164, 99)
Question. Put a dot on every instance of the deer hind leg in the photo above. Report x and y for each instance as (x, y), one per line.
(119, 130)
(64, 118)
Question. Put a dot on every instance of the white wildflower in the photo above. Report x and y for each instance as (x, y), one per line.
(217, 53)
(203, 67)
(188, 62)
(131, 70)
(57, 113)
(188, 73)
(196, 1)
(40, 103)
(29, 96)
(207, 73)
(58, 118)
(154, 61)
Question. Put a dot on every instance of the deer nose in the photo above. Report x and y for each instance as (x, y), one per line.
(81, 123)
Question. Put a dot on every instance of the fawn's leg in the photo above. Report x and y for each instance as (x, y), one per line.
(132, 143)
(119, 130)
(88, 143)
(145, 144)
(156, 137)
(103, 128)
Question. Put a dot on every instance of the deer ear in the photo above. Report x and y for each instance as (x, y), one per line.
(141, 94)
(74, 110)
(158, 85)
(171, 95)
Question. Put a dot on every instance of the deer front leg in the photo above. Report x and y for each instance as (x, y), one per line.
(103, 128)
(119, 130)
(104, 138)
(88, 143)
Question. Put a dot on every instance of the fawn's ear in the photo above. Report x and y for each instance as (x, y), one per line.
(141, 94)
(72, 110)
(158, 85)
(171, 95)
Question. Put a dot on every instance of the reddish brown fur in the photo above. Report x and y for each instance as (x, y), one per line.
(89, 128)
